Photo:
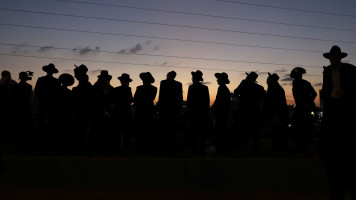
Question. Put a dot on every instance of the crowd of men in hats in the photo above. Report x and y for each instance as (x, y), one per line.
(101, 119)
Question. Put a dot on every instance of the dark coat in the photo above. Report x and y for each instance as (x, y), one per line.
(251, 96)
(47, 91)
(276, 102)
(82, 100)
(304, 95)
(222, 102)
(121, 101)
(198, 101)
(170, 97)
(348, 85)
(144, 97)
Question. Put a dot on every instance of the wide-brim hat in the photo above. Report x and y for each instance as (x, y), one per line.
(104, 74)
(125, 77)
(223, 76)
(82, 69)
(252, 76)
(50, 68)
(198, 75)
(147, 77)
(66, 79)
(335, 51)
(273, 77)
(297, 71)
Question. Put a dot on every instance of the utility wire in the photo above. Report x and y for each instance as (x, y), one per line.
(238, 61)
(138, 54)
(285, 8)
(108, 33)
(195, 14)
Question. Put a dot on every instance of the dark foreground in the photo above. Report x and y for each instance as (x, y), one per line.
(39, 177)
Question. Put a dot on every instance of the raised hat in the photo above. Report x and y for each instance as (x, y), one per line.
(335, 50)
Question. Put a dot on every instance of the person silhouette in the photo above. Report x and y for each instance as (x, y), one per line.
(145, 111)
(47, 91)
(24, 118)
(170, 97)
(122, 117)
(65, 104)
(338, 142)
(277, 112)
(198, 106)
(304, 95)
(251, 97)
(82, 110)
(169, 108)
(100, 138)
(7, 85)
(221, 111)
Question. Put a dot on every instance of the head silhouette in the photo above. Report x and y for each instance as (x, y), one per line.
(222, 78)
(297, 72)
(197, 76)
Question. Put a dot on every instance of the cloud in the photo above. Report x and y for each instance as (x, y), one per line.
(287, 79)
(45, 49)
(136, 48)
(280, 70)
(204, 83)
(96, 71)
(318, 84)
(86, 50)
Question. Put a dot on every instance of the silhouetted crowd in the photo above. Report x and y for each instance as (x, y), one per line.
(100, 119)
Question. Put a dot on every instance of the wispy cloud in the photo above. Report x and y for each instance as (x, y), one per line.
(84, 51)
(287, 78)
(280, 70)
(96, 71)
(139, 47)
(318, 84)
(45, 49)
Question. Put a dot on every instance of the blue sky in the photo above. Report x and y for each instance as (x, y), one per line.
(133, 36)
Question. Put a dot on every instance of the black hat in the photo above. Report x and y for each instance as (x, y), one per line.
(198, 75)
(50, 68)
(251, 76)
(125, 77)
(297, 72)
(273, 77)
(82, 69)
(223, 76)
(172, 74)
(24, 76)
(104, 74)
(147, 77)
(66, 79)
(335, 50)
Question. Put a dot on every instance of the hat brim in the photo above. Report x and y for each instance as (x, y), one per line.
(124, 79)
(328, 55)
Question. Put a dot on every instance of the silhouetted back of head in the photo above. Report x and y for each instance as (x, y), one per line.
(252, 76)
(297, 72)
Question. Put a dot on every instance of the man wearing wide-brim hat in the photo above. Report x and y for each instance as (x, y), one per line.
(338, 145)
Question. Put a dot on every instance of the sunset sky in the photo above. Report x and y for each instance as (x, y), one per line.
(134, 36)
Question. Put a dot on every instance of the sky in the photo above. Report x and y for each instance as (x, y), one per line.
(214, 36)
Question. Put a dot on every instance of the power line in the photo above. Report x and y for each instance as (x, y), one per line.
(237, 61)
(195, 14)
(291, 9)
(108, 33)
(142, 54)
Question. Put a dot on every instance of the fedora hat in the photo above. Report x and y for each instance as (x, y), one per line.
(198, 75)
(104, 74)
(273, 77)
(297, 71)
(82, 69)
(50, 68)
(251, 76)
(125, 77)
(147, 77)
(335, 51)
(223, 76)
(66, 79)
